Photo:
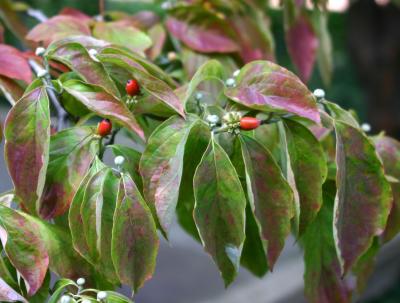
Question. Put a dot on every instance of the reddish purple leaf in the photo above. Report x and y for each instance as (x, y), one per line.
(266, 86)
(70, 11)
(27, 133)
(13, 64)
(24, 247)
(209, 39)
(57, 28)
(363, 198)
(302, 44)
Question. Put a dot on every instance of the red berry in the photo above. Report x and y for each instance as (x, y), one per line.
(132, 87)
(104, 128)
(249, 123)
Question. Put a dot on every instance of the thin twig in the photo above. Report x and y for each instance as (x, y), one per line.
(61, 113)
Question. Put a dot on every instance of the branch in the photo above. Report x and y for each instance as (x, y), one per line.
(51, 91)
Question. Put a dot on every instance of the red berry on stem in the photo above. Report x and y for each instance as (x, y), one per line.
(249, 123)
(104, 128)
(132, 87)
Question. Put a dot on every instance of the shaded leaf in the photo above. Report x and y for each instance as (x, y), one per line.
(27, 134)
(265, 86)
(219, 210)
(208, 39)
(7, 294)
(362, 189)
(308, 164)
(58, 27)
(134, 244)
(103, 103)
(71, 153)
(270, 197)
(322, 276)
(161, 167)
(11, 90)
(13, 64)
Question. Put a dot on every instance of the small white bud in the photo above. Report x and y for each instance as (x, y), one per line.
(40, 51)
(81, 281)
(319, 93)
(42, 73)
(213, 119)
(236, 73)
(65, 299)
(101, 295)
(93, 53)
(230, 82)
(199, 96)
(171, 56)
(366, 127)
(119, 160)
(166, 5)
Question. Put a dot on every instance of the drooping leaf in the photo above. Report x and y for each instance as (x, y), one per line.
(322, 277)
(97, 210)
(389, 151)
(71, 153)
(338, 113)
(363, 198)
(13, 64)
(134, 244)
(120, 34)
(7, 294)
(161, 167)
(308, 164)
(103, 103)
(302, 44)
(210, 38)
(159, 36)
(219, 210)
(77, 58)
(270, 196)
(265, 86)
(57, 28)
(74, 216)
(27, 134)
(11, 90)
(151, 84)
(24, 247)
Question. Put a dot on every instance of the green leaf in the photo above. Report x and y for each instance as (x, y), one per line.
(148, 82)
(114, 297)
(196, 145)
(59, 289)
(219, 210)
(24, 248)
(71, 153)
(340, 114)
(97, 210)
(131, 163)
(77, 58)
(120, 33)
(74, 216)
(134, 243)
(7, 294)
(27, 134)
(363, 198)
(161, 167)
(270, 197)
(266, 86)
(309, 167)
(102, 103)
(211, 70)
(322, 277)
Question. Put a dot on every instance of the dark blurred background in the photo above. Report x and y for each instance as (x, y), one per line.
(366, 42)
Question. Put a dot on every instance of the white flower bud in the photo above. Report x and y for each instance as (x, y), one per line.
(366, 127)
(81, 281)
(40, 51)
(319, 93)
(171, 56)
(42, 73)
(236, 73)
(230, 82)
(65, 299)
(119, 160)
(213, 119)
(93, 53)
(101, 295)
(166, 5)
(199, 96)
